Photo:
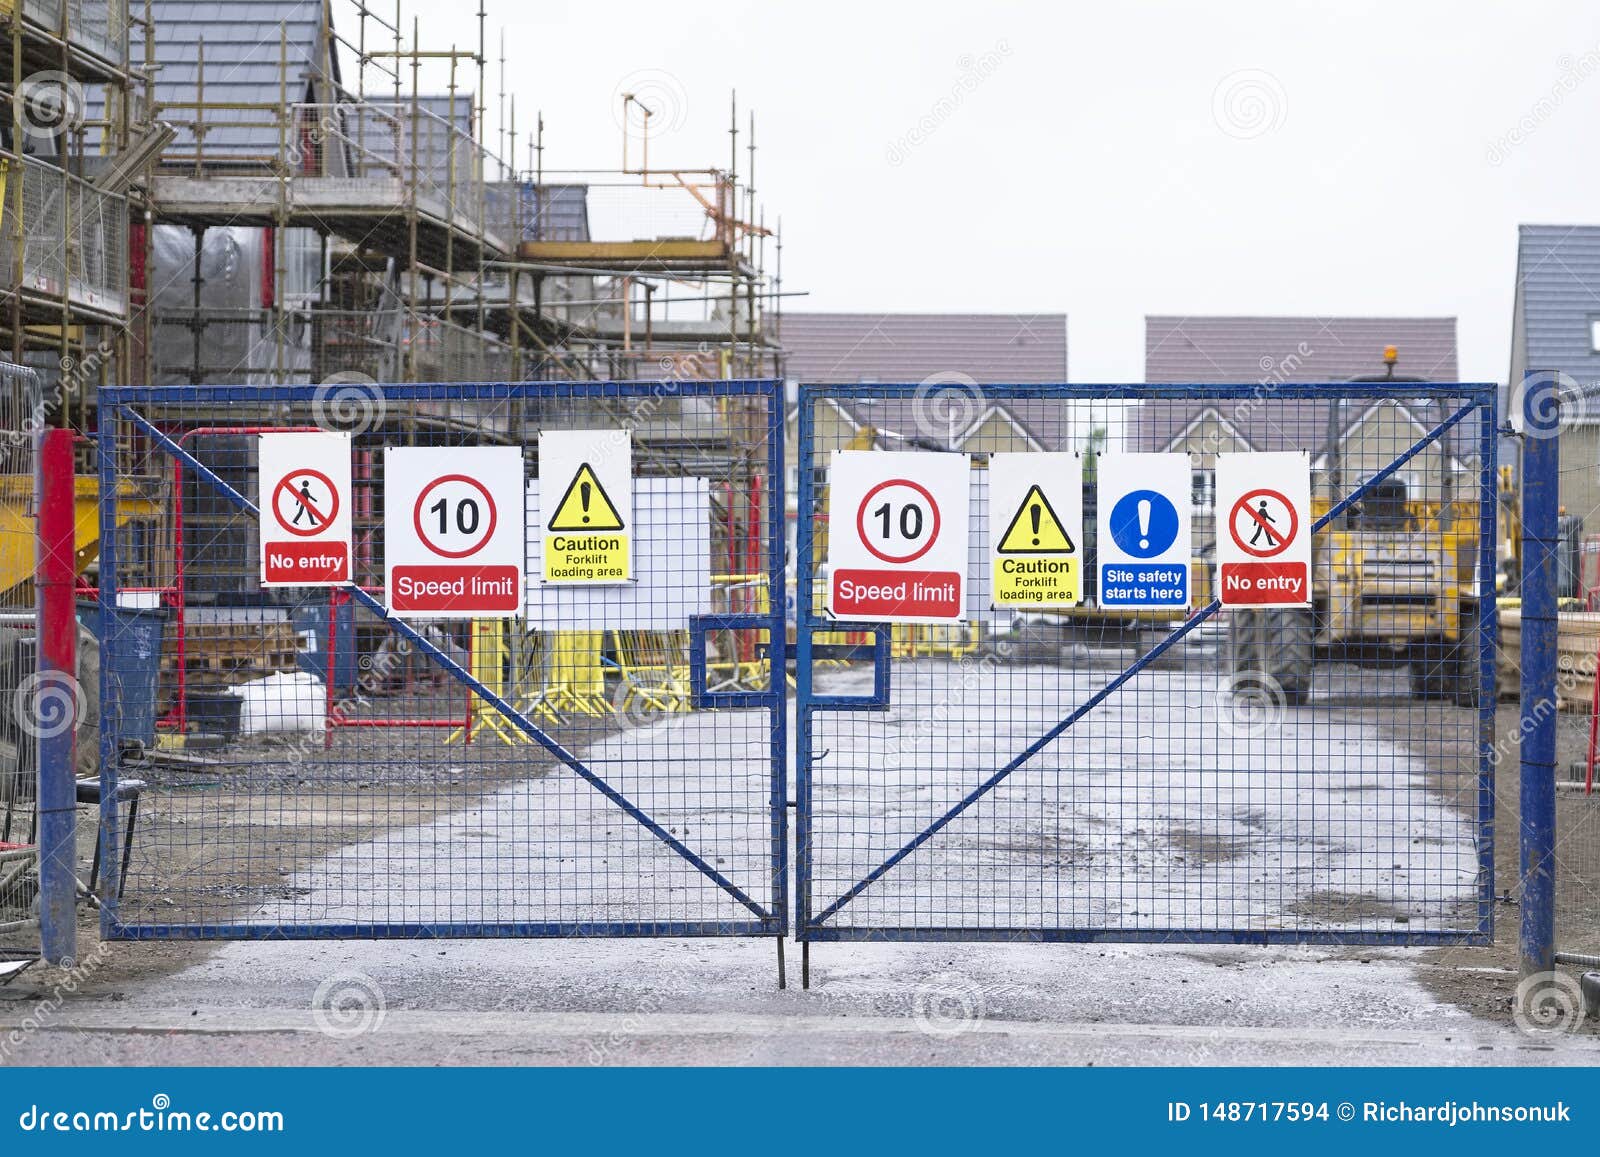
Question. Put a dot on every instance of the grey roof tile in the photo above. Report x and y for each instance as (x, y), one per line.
(844, 348)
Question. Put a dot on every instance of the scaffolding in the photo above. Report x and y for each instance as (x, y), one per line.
(368, 230)
(72, 111)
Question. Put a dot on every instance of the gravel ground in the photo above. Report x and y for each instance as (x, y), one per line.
(711, 1001)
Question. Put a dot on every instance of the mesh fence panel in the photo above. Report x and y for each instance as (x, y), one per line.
(313, 769)
(1577, 832)
(21, 411)
(1351, 803)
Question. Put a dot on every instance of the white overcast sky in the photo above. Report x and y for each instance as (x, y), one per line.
(1103, 160)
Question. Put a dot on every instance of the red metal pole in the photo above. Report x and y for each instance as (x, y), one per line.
(327, 682)
(1594, 725)
(56, 698)
(180, 709)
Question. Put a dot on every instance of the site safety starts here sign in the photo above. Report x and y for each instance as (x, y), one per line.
(897, 536)
(586, 506)
(1264, 529)
(1143, 524)
(305, 509)
(1036, 529)
(453, 531)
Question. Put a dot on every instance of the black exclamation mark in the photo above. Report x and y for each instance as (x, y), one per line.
(1033, 513)
(583, 497)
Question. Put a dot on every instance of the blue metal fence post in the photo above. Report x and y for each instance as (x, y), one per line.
(1540, 462)
(56, 698)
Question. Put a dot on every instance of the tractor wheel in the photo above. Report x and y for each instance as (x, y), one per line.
(1464, 686)
(1433, 665)
(1277, 646)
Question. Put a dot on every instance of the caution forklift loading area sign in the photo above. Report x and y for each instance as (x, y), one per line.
(588, 531)
(1036, 529)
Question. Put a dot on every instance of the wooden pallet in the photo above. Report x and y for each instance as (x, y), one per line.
(230, 653)
(1577, 640)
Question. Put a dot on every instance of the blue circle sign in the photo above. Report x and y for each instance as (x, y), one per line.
(1144, 524)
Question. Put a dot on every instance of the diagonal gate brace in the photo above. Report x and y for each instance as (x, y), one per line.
(508, 711)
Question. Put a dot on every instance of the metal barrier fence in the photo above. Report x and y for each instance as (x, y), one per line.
(308, 765)
(21, 413)
(1211, 775)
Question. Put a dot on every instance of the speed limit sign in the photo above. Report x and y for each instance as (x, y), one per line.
(897, 536)
(453, 531)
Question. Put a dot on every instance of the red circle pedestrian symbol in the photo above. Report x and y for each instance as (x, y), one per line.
(898, 521)
(305, 502)
(1263, 523)
(454, 516)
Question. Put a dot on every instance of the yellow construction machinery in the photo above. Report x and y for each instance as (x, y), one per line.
(17, 535)
(1393, 579)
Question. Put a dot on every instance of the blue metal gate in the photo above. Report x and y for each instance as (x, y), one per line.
(303, 764)
(1224, 775)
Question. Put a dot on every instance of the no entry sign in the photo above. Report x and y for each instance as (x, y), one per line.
(897, 536)
(1036, 529)
(305, 509)
(586, 506)
(1264, 529)
(1144, 529)
(453, 531)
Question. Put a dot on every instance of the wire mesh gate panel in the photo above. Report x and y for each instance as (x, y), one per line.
(1318, 775)
(307, 766)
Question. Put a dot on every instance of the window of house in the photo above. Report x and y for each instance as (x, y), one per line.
(1594, 335)
(1203, 487)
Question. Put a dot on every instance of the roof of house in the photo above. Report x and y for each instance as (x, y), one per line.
(845, 348)
(946, 415)
(243, 54)
(1295, 349)
(1268, 351)
(1558, 296)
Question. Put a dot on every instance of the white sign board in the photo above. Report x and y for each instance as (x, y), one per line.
(587, 530)
(672, 564)
(454, 540)
(1143, 518)
(304, 499)
(897, 536)
(1036, 530)
(1264, 529)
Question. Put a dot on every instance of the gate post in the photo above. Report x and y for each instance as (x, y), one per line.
(1540, 471)
(54, 710)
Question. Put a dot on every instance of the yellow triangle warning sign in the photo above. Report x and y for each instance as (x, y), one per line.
(585, 505)
(1035, 529)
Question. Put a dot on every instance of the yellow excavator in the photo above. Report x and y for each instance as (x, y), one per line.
(1393, 578)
